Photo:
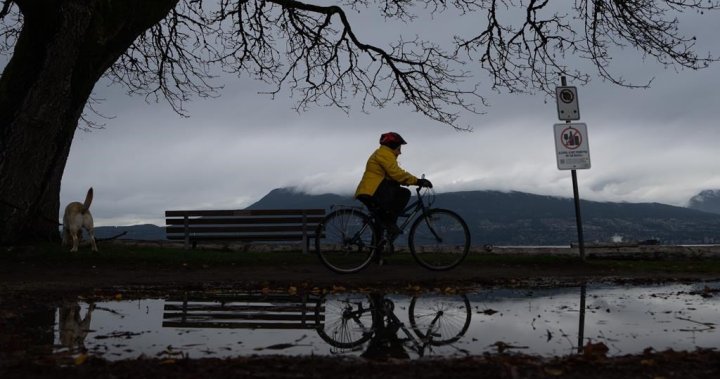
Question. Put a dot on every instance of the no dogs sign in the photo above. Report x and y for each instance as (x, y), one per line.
(571, 146)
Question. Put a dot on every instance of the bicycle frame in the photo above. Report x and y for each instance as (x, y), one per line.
(384, 318)
(408, 214)
(432, 233)
(417, 206)
(411, 210)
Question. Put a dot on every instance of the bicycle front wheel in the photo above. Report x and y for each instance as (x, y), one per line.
(440, 320)
(439, 239)
(345, 241)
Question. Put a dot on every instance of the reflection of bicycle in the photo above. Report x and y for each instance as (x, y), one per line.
(348, 239)
(351, 319)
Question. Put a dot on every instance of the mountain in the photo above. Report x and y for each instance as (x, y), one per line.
(290, 198)
(706, 201)
(518, 218)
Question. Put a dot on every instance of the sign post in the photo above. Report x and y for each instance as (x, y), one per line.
(571, 146)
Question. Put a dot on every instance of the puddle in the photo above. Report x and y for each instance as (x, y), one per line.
(546, 322)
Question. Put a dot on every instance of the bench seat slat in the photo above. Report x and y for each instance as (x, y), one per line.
(198, 316)
(244, 212)
(251, 298)
(244, 220)
(239, 325)
(242, 229)
(250, 237)
(240, 308)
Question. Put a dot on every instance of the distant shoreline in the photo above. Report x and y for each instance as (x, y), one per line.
(604, 250)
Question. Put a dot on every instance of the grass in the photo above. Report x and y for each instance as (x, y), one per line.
(704, 266)
(143, 255)
(171, 256)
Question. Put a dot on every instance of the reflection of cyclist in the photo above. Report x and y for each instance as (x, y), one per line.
(385, 342)
(380, 187)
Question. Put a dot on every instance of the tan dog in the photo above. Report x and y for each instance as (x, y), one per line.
(78, 216)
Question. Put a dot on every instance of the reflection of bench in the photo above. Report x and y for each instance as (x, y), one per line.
(243, 225)
(244, 310)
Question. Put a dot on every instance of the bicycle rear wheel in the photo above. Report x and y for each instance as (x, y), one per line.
(439, 239)
(344, 320)
(345, 241)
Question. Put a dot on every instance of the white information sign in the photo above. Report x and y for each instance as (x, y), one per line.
(567, 103)
(571, 146)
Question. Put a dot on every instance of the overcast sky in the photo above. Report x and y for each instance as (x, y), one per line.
(654, 145)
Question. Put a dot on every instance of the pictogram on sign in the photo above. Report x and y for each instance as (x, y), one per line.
(571, 138)
(571, 146)
(567, 103)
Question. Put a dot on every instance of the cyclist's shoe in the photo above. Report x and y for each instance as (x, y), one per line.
(393, 231)
(377, 258)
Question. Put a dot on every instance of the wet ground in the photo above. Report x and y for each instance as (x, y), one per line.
(546, 322)
(523, 322)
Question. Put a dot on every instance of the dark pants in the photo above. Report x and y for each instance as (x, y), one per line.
(388, 202)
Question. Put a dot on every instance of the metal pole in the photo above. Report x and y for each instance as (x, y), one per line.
(581, 326)
(576, 196)
(578, 217)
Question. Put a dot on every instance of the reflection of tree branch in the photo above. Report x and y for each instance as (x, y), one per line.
(6, 8)
(708, 325)
(110, 311)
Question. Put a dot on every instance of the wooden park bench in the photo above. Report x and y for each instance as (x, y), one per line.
(244, 311)
(278, 225)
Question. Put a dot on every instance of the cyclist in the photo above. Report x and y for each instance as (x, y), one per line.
(380, 187)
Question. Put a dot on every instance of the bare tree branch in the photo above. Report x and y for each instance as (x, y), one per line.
(314, 51)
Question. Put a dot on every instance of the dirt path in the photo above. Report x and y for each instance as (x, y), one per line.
(19, 276)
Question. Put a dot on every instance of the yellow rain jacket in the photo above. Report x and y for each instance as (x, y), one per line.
(382, 164)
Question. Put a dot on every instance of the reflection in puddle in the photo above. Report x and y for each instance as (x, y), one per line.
(546, 322)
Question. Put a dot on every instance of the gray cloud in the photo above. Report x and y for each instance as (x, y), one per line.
(646, 145)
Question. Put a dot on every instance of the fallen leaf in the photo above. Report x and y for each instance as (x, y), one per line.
(80, 359)
(553, 371)
(598, 349)
(338, 288)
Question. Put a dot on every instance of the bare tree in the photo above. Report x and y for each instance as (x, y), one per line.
(169, 49)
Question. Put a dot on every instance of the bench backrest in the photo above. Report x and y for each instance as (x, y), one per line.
(250, 310)
(243, 224)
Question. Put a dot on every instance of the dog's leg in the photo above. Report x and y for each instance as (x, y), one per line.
(75, 241)
(90, 227)
(91, 232)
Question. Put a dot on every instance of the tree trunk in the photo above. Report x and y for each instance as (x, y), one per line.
(64, 48)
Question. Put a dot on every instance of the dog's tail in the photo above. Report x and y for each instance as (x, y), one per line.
(88, 199)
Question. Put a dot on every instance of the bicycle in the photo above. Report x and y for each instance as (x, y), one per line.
(350, 320)
(349, 238)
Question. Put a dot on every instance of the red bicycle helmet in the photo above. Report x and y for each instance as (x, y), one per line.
(392, 140)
